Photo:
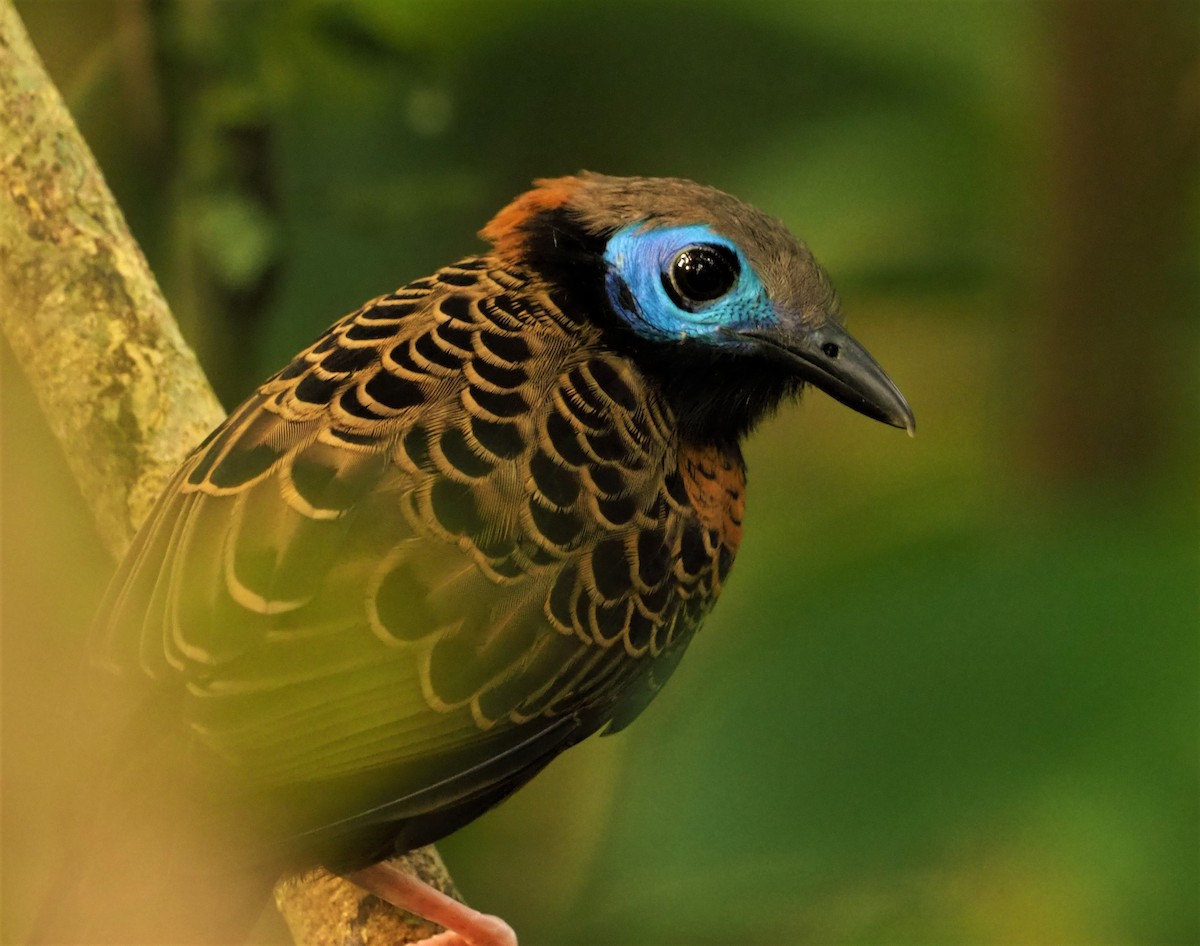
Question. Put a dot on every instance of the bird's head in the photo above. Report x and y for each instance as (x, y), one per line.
(716, 301)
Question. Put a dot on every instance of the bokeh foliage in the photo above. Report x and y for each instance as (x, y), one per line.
(950, 694)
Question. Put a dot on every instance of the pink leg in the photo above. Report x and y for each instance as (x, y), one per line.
(464, 926)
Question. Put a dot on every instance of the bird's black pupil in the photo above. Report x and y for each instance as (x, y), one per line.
(701, 274)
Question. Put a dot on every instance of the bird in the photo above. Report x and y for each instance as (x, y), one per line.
(476, 521)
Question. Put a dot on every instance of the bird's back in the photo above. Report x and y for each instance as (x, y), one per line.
(454, 536)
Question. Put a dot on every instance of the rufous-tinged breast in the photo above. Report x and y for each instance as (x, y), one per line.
(715, 480)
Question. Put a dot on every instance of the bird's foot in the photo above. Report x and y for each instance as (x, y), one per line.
(464, 926)
(502, 931)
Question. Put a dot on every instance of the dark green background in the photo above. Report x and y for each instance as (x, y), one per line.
(950, 695)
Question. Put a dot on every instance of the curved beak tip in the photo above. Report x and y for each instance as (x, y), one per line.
(897, 413)
(905, 419)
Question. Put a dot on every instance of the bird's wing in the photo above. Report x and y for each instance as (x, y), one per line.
(441, 531)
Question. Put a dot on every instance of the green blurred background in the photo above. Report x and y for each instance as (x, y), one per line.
(950, 695)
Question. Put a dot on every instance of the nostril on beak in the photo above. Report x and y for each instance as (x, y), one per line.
(831, 350)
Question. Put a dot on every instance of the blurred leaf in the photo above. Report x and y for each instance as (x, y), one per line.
(236, 237)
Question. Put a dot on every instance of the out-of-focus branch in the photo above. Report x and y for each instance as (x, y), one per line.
(1117, 281)
(119, 387)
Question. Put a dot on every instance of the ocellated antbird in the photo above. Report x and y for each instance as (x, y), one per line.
(478, 520)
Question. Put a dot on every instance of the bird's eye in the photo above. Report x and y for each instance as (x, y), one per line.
(700, 274)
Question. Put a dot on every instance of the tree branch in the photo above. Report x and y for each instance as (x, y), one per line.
(119, 387)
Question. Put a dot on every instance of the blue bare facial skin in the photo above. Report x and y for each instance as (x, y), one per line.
(683, 282)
